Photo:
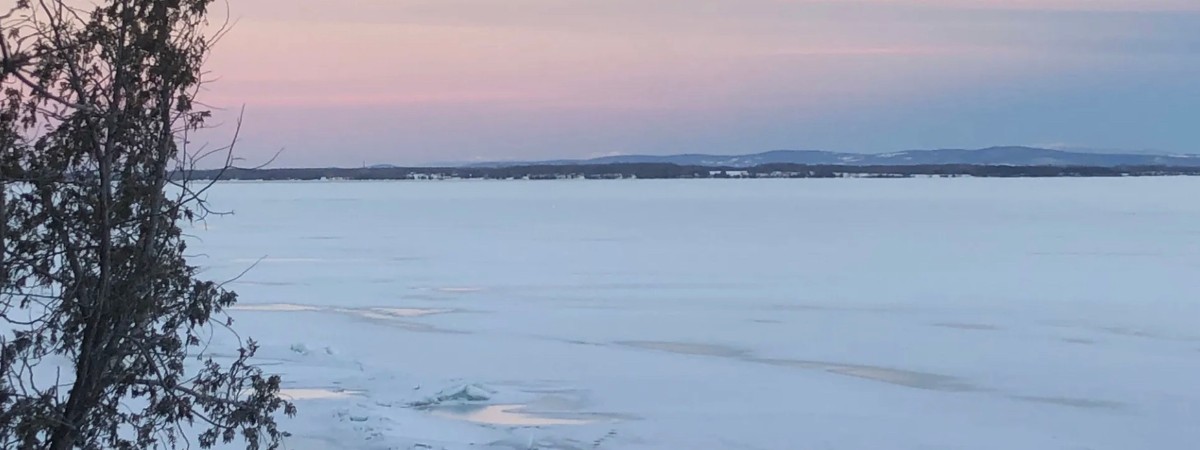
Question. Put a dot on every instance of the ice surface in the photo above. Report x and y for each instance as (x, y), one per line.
(314, 394)
(507, 415)
(756, 314)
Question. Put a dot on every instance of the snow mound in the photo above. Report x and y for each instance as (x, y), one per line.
(460, 394)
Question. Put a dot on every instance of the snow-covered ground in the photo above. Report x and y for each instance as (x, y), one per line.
(757, 314)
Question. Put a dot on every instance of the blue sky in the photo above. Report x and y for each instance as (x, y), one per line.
(417, 81)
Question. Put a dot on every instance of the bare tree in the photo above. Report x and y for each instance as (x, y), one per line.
(103, 322)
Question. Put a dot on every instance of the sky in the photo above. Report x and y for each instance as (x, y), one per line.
(352, 82)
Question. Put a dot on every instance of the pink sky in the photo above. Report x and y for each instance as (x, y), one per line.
(404, 81)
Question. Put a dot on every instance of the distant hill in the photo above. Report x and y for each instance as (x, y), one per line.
(994, 156)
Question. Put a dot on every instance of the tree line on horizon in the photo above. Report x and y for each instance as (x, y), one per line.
(673, 171)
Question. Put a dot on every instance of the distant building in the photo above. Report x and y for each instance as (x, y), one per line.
(729, 173)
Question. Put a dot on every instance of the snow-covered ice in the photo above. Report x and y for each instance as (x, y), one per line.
(754, 314)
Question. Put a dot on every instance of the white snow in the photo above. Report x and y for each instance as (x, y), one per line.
(273, 307)
(314, 394)
(768, 314)
(459, 289)
(409, 312)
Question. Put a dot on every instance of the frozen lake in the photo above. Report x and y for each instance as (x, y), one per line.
(723, 314)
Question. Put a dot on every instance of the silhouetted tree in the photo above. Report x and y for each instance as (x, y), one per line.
(102, 319)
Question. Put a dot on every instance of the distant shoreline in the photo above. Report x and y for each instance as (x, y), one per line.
(672, 171)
